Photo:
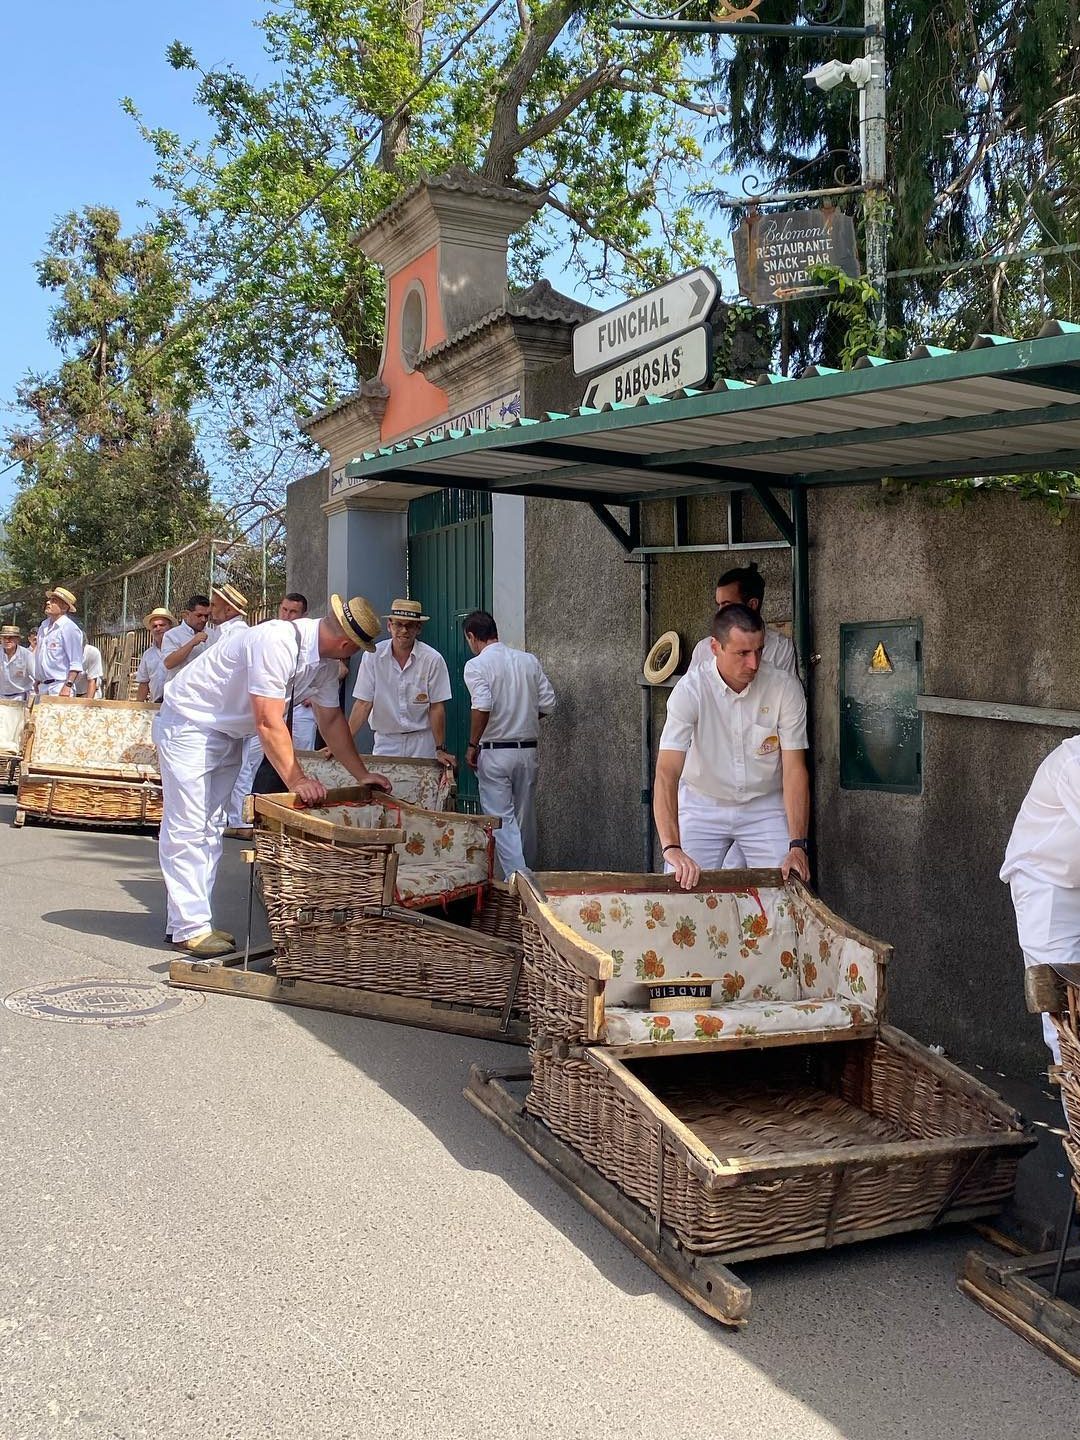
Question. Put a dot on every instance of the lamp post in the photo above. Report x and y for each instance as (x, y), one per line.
(872, 155)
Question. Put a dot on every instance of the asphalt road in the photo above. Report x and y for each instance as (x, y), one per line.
(247, 1220)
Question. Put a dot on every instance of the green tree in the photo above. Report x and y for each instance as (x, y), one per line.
(109, 465)
(541, 93)
(983, 109)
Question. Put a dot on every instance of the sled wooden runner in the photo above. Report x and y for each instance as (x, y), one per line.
(701, 1280)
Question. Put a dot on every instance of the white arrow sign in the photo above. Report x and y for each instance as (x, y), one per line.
(660, 371)
(638, 324)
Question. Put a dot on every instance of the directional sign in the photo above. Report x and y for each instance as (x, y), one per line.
(660, 371)
(638, 324)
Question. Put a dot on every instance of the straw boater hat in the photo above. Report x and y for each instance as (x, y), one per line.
(59, 593)
(405, 610)
(357, 618)
(159, 614)
(10, 632)
(231, 596)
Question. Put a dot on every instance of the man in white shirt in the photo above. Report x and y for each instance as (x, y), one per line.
(403, 688)
(239, 687)
(16, 665)
(509, 694)
(746, 586)
(183, 642)
(91, 679)
(150, 676)
(1042, 867)
(294, 606)
(59, 654)
(732, 761)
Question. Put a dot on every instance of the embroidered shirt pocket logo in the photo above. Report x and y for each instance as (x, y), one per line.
(769, 745)
(421, 698)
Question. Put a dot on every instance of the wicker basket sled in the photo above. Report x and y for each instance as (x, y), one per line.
(89, 762)
(1038, 1296)
(380, 907)
(12, 730)
(784, 1117)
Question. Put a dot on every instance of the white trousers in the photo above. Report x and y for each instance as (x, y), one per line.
(303, 727)
(51, 687)
(198, 772)
(418, 744)
(506, 780)
(756, 830)
(1048, 928)
(250, 761)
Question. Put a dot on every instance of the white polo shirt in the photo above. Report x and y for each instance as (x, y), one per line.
(174, 639)
(16, 673)
(152, 670)
(92, 669)
(733, 740)
(778, 651)
(1045, 840)
(59, 649)
(510, 685)
(401, 695)
(215, 692)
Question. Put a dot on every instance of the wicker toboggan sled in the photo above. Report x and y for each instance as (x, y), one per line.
(380, 907)
(785, 1116)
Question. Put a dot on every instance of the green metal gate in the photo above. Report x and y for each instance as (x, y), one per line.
(450, 573)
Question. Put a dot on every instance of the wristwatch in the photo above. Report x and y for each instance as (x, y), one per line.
(799, 845)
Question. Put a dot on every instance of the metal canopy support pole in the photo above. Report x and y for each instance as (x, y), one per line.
(168, 584)
(800, 582)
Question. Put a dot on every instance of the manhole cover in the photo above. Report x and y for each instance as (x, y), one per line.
(91, 1000)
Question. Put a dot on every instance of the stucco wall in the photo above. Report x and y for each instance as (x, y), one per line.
(996, 587)
(305, 546)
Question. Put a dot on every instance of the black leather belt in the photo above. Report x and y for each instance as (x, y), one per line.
(507, 744)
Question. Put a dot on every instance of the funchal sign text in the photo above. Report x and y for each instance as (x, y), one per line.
(653, 345)
(502, 407)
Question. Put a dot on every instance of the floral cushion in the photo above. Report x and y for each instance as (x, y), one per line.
(422, 884)
(12, 723)
(746, 938)
(752, 1017)
(92, 735)
(832, 964)
(418, 782)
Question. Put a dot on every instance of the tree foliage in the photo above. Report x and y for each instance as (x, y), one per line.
(982, 112)
(109, 464)
(541, 93)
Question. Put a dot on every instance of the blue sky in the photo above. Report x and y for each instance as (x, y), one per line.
(68, 144)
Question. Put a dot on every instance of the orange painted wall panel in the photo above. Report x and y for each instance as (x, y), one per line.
(414, 402)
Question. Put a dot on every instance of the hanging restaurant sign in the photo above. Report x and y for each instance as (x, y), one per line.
(774, 254)
(639, 324)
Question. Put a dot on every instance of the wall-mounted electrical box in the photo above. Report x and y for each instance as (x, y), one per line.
(880, 722)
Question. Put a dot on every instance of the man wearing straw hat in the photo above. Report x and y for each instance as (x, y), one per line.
(183, 642)
(59, 654)
(403, 687)
(150, 676)
(242, 686)
(16, 665)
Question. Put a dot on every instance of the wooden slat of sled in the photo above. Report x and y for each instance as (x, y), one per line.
(1010, 1292)
(705, 1283)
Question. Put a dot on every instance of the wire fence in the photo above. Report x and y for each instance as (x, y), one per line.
(112, 605)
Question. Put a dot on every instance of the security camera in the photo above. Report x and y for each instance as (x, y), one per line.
(826, 76)
(835, 72)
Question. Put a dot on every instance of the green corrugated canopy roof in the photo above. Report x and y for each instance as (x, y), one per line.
(1001, 407)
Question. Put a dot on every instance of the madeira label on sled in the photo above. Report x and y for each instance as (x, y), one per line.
(660, 371)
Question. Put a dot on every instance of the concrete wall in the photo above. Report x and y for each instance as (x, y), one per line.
(995, 584)
(305, 546)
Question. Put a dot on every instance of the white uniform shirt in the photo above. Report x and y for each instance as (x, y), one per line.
(152, 671)
(512, 687)
(218, 632)
(215, 692)
(734, 739)
(778, 651)
(59, 649)
(402, 694)
(16, 673)
(91, 669)
(175, 639)
(1045, 840)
